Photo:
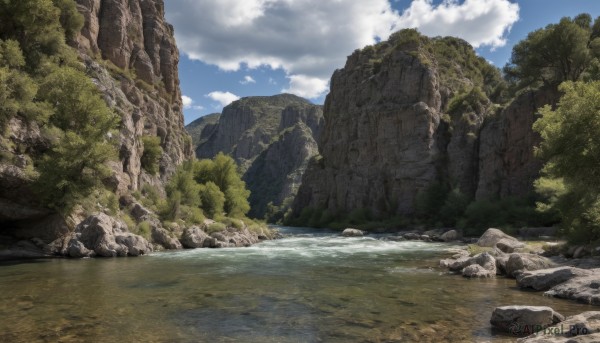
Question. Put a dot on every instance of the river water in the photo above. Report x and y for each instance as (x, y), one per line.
(312, 286)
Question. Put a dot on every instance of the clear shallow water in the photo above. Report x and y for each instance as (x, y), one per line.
(312, 286)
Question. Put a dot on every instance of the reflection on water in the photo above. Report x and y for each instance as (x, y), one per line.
(312, 286)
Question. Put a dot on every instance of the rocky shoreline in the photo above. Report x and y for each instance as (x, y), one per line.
(101, 235)
(556, 276)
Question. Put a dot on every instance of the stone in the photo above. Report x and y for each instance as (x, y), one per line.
(101, 235)
(477, 271)
(164, 238)
(450, 236)
(544, 279)
(521, 262)
(522, 320)
(139, 212)
(584, 289)
(579, 252)
(509, 245)
(411, 236)
(349, 232)
(581, 328)
(492, 236)
(486, 261)
(193, 238)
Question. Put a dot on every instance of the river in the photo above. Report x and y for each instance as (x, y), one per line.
(312, 286)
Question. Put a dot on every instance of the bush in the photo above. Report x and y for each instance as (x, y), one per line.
(152, 154)
(213, 200)
(215, 227)
(144, 229)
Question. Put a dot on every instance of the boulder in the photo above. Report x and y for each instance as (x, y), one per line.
(458, 264)
(162, 237)
(411, 236)
(76, 249)
(193, 238)
(139, 212)
(492, 236)
(584, 327)
(477, 271)
(509, 245)
(486, 261)
(584, 289)
(544, 279)
(449, 236)
(101, 235)
(520, 262)
(349, 232)
(523, 320)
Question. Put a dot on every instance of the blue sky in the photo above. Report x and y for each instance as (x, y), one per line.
(237, 48)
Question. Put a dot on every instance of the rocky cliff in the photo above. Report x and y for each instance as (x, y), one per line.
(271, 139)
(412, 112)
(129, 52)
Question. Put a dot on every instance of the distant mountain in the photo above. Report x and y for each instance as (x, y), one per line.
(270, 137)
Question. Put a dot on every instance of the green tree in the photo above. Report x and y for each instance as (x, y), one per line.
(571, 151)
(152, 154)
(560, 52)
(213, 200)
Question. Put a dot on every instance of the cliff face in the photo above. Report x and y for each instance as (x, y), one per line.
(130, 52)
(271, 139)
(409, 113)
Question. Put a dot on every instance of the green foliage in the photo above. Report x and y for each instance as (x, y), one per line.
(473, 101)
(152, 154)
(571, 150)
(143, 229)
(223, 172)
(430, 201)
(213, 200)
(215, 227)
(70, 19)
(559, 52)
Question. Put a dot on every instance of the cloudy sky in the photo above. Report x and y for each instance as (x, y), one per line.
(236, 48)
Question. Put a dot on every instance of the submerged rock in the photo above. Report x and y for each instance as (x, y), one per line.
(522, 320)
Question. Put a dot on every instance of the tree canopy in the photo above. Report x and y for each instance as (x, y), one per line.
(571, 150)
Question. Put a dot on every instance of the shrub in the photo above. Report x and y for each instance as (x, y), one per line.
(152, 154)
(213, 200)
(215, 227)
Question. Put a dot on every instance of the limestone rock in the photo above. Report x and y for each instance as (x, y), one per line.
(450, 236)
(193, 238)
(477, 271)
(349, 232)
(101, 235)
(510, 245)
(544, 279)
(581, 328)
(164, 238)
(585, 289)
(521, 262)
(492, 236)
(520, 320)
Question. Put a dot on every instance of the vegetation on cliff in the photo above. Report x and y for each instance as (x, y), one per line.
(42, 83)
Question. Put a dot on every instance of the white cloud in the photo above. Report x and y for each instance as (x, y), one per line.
(272, 81)
(309, 39)
(198, 107)
(224, 98)
(247, 80)
(479, 22)
(187, 101)
(307, 87)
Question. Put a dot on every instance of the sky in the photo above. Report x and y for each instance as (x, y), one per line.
(236, 48)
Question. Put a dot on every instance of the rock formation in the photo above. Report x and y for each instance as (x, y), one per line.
(129, 52)
(412, 112)
(271, 139)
